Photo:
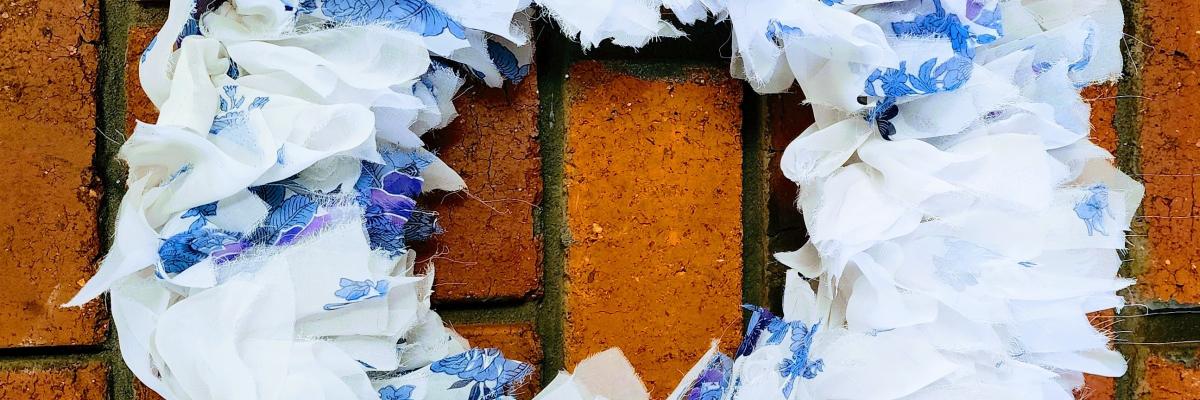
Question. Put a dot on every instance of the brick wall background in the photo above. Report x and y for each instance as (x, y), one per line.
(618, 198)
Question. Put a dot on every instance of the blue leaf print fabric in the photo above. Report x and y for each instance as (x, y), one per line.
(760, 320)
(1085, 57)
(272, 194)
(931, 77)
(307, 7)
(414, 15)
(356, 291)
(946, 25)
(183, 169)
(391, 392)
(713, 382)
(881, 116)
(185, 249)
(800, 364)
(296, 211)
(421, 226)
(146, 52)
(233, 71)
(204, 210)
(288, 220)
(1093, 208)
(1088, 50)
(191, 27)
(990, 18)
(484, 373)
(506, 62)
(297, 232)
(776, 30)
(386, 193)
(233, 108)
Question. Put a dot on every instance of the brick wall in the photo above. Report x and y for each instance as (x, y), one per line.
(1158, 140)
(618, 198)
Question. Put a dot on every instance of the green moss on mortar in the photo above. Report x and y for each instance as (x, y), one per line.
(488, 313)
(553, 58)
(1127, 125)
(756, 284)
(116, 18)
(670, 71)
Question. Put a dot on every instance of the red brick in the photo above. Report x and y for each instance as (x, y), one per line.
(47, 133)
(143, 392)
(489, 250)
(1103, 99)
(68, 382)
(1167, 379)
(1099, 387)
(138, 106)
(653, 177)
(1170, 149)
(1170, 272)
(786, 118)
(517, 342)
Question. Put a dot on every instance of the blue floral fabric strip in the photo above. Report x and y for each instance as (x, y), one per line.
(386, 193)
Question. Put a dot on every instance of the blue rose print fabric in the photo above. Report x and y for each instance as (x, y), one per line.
(385, 192)
(475, 374)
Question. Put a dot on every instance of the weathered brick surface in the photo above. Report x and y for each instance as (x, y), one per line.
(1170, 149)
(516, 341)
(47, 133)
(786, 118)
(653, 203)
(142, 392)
(1103, 99)
(68, 382)
(1169, 379)
(138, 106)
(1097, 388)
(489, 250)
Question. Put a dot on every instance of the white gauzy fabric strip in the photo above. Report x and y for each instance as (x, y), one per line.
(961, 224)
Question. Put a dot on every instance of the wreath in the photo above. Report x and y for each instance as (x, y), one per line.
(961, 223)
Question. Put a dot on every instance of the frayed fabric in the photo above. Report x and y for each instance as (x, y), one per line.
(961, 224)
